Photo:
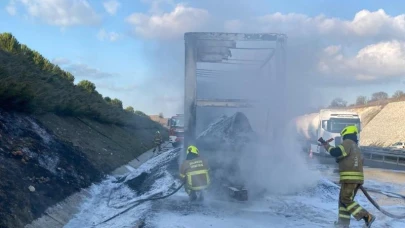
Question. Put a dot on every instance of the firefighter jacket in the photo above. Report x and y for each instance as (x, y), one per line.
(196, 173)
(158, 139)
(350, 162)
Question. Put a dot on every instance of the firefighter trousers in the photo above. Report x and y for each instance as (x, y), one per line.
(347, 205)
(193, 194)
(158, 147)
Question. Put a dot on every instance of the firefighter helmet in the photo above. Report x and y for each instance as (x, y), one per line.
(349, 130)
(192, 149)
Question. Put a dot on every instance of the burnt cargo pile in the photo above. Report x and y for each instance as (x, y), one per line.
(231, 132)
(222, 144)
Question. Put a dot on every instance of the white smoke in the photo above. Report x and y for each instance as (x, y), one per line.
(276, 163)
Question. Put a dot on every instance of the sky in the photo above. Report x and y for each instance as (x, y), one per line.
(134, 50)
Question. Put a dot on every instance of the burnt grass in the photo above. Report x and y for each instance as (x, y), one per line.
(29, 156)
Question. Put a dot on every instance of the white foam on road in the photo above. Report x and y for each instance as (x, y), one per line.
(96, 208)
(315, 207)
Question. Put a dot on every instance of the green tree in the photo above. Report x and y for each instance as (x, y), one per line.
(9, 43)
(56, 69)
(140, 113)
(130, 109)
(107, 99)
(31, 83)
(26, 51)
(87, 85)
(161, 115)
(117, 103)
(68, 76)
(38, 59)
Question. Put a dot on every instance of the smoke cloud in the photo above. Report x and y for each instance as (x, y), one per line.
(326, 53)
(275, 162)
(321, 53)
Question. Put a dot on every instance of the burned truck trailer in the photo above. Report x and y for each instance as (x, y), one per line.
(230, 73)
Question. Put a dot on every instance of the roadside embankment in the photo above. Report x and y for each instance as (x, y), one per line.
(385, 128)
(46, 158)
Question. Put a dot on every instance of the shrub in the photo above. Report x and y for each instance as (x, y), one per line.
(31, 83)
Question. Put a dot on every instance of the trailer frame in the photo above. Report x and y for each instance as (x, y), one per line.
(215, 47)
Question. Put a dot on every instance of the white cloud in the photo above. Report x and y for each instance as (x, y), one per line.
(368, 47)
(121, 88)
(383, 59)
(365, 24)
(60, 61)
(111, 6)
(156, 5)
(233, 25)
(111, 36)
(333, 49)
(168, 25)
(63, 13)
(81, 70)
(11, 8)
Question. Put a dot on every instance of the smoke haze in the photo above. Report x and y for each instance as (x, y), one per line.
(321, 53)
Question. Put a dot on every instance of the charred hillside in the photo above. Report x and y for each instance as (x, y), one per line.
(57, 137)
(36, 169)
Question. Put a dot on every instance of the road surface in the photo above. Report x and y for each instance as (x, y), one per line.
(316, 206)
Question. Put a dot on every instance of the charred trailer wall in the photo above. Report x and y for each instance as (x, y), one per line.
(190, 93)
(229, 55)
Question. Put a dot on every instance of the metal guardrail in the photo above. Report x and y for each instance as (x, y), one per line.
(376, 148)
(384, 150)
(386, 155)
(378, 154)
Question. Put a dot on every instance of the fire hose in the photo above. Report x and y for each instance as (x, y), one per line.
(135, 203)
(372, 201)
(375, 204)
(138, 202)
(152, 198)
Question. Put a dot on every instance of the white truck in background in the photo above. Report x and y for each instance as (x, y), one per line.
(328, 123)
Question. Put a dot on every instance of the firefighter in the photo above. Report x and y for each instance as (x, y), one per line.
(349, 158)
(158, 142)
(195, 173)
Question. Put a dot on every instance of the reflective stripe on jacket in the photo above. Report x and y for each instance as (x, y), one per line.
(350, 163)
(196, 172)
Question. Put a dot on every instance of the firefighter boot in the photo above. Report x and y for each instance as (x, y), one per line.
(339, 224)
(192, 196)
(369, 219)
(201, 198)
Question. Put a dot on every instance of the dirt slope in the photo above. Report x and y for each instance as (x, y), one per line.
(367, 113)
(57, 156)
(386, 127)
